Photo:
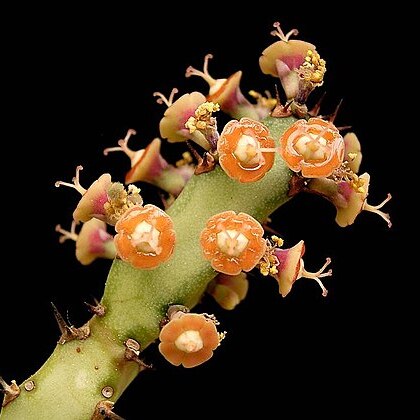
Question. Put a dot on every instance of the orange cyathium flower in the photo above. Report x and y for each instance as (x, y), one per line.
(246, 150)
(233, 242)
(189, 339)
(145, 236)
(314, 147)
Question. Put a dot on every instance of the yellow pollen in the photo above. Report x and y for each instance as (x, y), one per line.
(202, 118)
(269, 262)
(186, 159)
(120, 200)
(264, 101)
(278, 241)
(313, 68)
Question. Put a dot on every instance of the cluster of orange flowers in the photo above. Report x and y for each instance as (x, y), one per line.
(312, 147)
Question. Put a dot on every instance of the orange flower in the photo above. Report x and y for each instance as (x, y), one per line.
(314, 147)
(233, 242)
(244, 150)
(189, 339)
(145, 236)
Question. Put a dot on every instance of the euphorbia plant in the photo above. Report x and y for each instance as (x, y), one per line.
(208, 233)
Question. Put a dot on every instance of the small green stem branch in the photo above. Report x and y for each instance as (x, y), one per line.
(83, 372)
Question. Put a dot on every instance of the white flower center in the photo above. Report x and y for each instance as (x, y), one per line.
(312, 147)
(189, 341)
(146, 238)
(232, 242)
(248, 151)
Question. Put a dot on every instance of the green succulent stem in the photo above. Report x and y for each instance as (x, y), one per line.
(82, 372)
(173, 179)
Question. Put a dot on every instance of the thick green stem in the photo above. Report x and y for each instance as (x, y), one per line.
(70, 384)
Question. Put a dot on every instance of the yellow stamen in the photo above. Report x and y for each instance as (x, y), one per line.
(120, 200)
(278, 241)
(269, 262)
(264, 101)
(313, 69)
(186, 159)
(202, 118)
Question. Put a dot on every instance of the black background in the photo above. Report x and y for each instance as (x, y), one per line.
(76, 81)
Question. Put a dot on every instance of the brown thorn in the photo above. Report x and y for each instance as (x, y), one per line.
(207, 164)
(62, 324)
(103, 411)
(194, 152)
(314, 112)
(97, 309)
(298, 110)
(332, 117)
(204, 164)
(10, 392)
(132, 352)
(288, 104)
(276, 88)
(68, 332)
(279, 110)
